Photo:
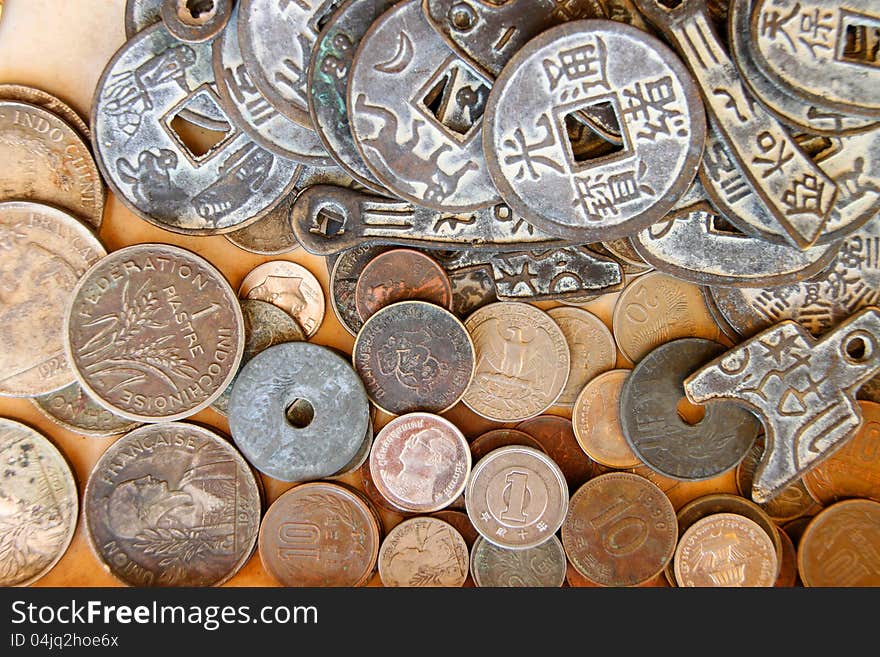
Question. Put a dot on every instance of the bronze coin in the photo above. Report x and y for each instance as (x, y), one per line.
(420, 462)
(71, 408)
(344, 274)
(596, 421)
(576, 580)
(557, 438)
(841, 546)
(495, 438)
(620, 530)
(319, 534)
(464, 526)
(539, 566)
(172, 504)
(788, 574)
(854, 469)
(154, 332)
(591, 346)
(423, 551)
(414, 356)
(291, 287)
(795, 529)
(401, 275)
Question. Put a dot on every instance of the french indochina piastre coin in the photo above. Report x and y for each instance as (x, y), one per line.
(71, 408)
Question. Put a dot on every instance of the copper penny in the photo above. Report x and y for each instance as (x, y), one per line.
(591, 346)
(841, 546)
(420, 462)
(414, 356)
(539, 566)
(291, 287)
(596, 420)
(71, 408)
(423, 551)
(854, 469)
(172, 504)
(319, 534)
(495, 438)
(788, 574)
(154, 332)
(401, 275)
(522, 361)
(620, 530)
(557, 438)
(725, 550)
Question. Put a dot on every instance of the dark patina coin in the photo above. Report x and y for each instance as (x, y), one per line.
(542, 565)
(344, 275)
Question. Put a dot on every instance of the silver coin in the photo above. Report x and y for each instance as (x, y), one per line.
(541, 566)
(49, 102)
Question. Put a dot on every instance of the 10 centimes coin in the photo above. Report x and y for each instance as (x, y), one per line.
(423, 551)
(414, 356)
(344, 274)
(44, 251)
(320, 534)
(841, 546)
(172, 504)
(591, 347)
(522, 361)
(420, 462)
(298, 412)
(540, 566)
(596, 421)
(725, 550)
(291, 287)
(71, 408)
(154, 332)
(47, 101)
(516, 497)
(551, 167)
(620, 530)
(38, 504)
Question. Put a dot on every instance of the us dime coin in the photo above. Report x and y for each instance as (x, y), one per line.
(45, 251)
(291, 287)
(154, 332)
(38, 504)
(596, 420)
(542, 565)
(423, 551)
(591, 346)
(71, 408)
(172, 504)
(47, 101)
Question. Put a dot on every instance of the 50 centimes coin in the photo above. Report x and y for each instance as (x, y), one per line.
(154, 332)
(725, 550)
(596, 421)
(172, 504)
(522, 361)
(320, 534)
(620, 530)
(291, 287)
(591, 347)
(420, 462)
(540, 566)
(298, 412)
(71, 408)
(423, 551)
(556, 435)
(516, 497)
(47, 101)
(414, 356)
(44, 251)
(344, 275)
(38, 504)
(553, 168)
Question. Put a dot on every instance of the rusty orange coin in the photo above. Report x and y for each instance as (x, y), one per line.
(596, 421)
(401, 275)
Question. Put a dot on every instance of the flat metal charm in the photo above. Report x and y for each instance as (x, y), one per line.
(802, 389)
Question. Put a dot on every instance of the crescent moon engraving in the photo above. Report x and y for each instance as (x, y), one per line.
(401, 58)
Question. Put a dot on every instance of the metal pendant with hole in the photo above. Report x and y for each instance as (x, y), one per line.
(298, 412)
(554, 169)
(798, 195)
(143, 148)
(195, 21)
(416, 111)
(802, 389)
(689, 244)
(660, 437)
(253, 113)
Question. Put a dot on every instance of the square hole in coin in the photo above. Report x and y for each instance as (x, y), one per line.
(455, 98)
(594, 131)
(199, 143)
(861, 40)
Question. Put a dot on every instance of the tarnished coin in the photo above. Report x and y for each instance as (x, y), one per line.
(591, 347)
(47, 101)
(194, 22)
(360, 458)
(725, 550)
(471, 289)
(38, 504)
(423, 551)
(656, 308)
(43, 253)
(344, 276)
(291, 287)
(788, 574)
(154, 332)
(461, 523)
(140, 14)
(664, 440)
(557, 438)
(71, 408)
(495, 438)
(551, 166)
(420, 462)
(270, 235)
(298, 412)
(52, 163)
(522, 361)
(414, 356)
(319, 534)
(841, 546)
(516, 497)
(401, 275)
(620, 530)
(541, 566)
(172, 504)
(596, 421)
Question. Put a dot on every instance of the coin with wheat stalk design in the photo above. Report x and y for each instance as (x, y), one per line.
(154, 332)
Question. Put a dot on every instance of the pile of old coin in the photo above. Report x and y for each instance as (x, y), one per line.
(611, 268)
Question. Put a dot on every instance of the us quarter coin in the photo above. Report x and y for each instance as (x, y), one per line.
(291, 287)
